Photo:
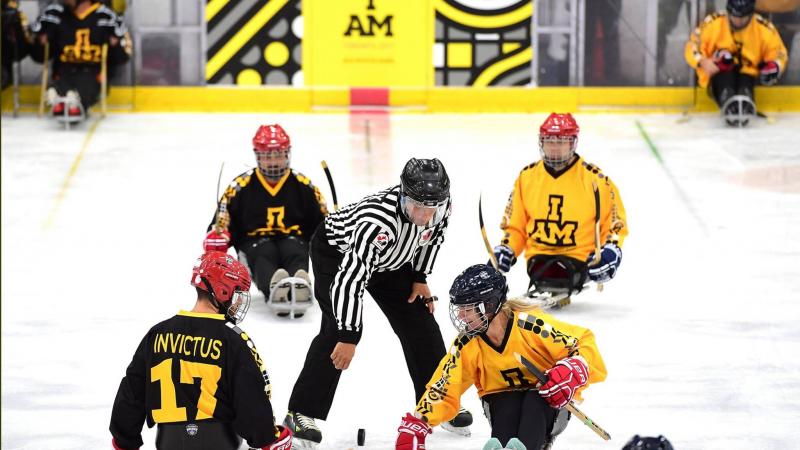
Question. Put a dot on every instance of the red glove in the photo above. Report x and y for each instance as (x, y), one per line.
(412, 433)
(115, 446)
(768, 72)
(563, 380)
(284, 441)
(217, 241)
(724, 60)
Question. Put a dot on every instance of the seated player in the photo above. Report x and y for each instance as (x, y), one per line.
(491, 330)
(553, 213)
(268, 214)
(198, 375)
(731, 51)
(74, 32)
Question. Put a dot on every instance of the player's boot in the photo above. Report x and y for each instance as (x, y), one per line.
(515, 444)
(302, 291)
(280, 293)
(304, 429)
(460, 423)
(493, 444)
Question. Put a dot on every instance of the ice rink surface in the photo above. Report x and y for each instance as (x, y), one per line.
(699, 330)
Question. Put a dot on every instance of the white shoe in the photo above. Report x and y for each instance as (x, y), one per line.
(279, 293)
(302, 291)
(51, 96)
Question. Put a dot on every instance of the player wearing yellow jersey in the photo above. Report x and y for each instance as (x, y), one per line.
(491, 330)
(553, 212)
(730, 50)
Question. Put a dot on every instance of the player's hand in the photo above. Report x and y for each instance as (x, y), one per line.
(709, 66)
(217, 241)
(610, 259)
(117, 447)
(113, 40)
(505, 258)
(284, 440)
(342, 355)
(724, 60)
(421, 290)
(563, 380)
(768, 72)
(412, 433)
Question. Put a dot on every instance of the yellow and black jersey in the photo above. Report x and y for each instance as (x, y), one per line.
(195, 367)
(251, 208)
(757, 42)
(77, 40)
(535, 335)
(554, 213)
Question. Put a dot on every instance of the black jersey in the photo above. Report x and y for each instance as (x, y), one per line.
(195, 367)
(76, 41)
(292, 207)
(375, 235)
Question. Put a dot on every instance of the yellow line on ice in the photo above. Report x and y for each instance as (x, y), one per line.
(72, 170)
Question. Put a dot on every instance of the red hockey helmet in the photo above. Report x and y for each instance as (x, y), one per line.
(272, 147)
(558, 129)
(227, 280)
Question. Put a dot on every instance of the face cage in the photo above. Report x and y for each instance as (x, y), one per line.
(557, 163)
(478, 325)
(266, 163)
(240, 303)
(416, 211)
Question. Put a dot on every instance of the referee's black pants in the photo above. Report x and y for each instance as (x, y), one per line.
(416, 328)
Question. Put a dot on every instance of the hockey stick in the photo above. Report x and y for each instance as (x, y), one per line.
(492, 258)
(104, 81)
(571, 405)
(45, 75)
(330, 183)
(596, 260)
(217, 226)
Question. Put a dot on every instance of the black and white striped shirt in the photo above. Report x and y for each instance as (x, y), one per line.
(375, 235)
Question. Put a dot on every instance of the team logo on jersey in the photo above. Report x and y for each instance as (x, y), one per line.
(553, 230)
(191, 429)
(381, 240)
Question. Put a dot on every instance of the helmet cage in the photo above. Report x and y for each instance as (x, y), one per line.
(238, 306)
(470, 319)
(423, 213)
(557, 162)
(274, 163)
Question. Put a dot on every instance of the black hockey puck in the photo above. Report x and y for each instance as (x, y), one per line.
(362, 435)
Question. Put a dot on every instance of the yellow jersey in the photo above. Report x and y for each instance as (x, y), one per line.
(757, 42)
(537, 336)
(555, 214)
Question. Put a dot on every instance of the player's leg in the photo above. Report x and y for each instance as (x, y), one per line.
(88, 86)
(503, 411)
(315, 387)
(535, 420)
(262, 260)
(294, 258)
(197, 436)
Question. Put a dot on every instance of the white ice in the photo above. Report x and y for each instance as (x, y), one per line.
(699, 330)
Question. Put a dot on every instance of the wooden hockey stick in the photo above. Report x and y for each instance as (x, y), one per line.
(330, 183)
(217, 226)
(489, 250)
(45, 75)
(104, 81)
(596, 260)
(571, 405)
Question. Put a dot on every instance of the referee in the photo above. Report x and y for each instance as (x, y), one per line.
(387, 244)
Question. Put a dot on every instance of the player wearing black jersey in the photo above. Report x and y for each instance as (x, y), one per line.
(385, 244)
(198, 375)
(16, 39)
(269, 214)
(76, 31)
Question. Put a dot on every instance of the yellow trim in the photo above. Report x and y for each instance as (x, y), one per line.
(201, 315)
(471, 20)
(86, 13)
(273, 191)
(490, 73)
(213, 7)
(219, 99)
(254, 25)
(72, 170)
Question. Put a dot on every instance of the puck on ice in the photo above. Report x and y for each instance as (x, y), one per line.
(361, 436)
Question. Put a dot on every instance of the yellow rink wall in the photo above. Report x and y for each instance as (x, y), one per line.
(432, 100)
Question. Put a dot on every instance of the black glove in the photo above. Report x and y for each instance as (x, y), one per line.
(610, 258)
(505, 258)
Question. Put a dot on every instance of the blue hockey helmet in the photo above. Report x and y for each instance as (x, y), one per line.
(475, 298)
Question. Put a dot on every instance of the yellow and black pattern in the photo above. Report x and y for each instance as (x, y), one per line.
(253, 42)
(483, 47)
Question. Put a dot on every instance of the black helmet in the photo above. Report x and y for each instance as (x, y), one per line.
(481, 286)
(425, 181)
(741, 8)
(648, 443)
